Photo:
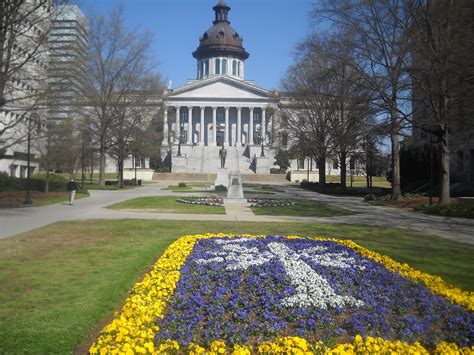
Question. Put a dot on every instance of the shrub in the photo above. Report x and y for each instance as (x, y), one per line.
(37, 183)
(182, 184)
(369, 197)
(448, 210)
(221, 188)
(111, 182)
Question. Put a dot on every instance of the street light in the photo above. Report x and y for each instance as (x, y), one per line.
(33, 117)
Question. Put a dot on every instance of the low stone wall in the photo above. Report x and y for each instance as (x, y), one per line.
(142, 174)
(299, 176)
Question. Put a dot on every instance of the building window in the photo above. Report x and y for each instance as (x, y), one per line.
(224, 66)
(201, 69)
(219, 117)
(13, 170)
(238, 68)
(206, 67)
(335, 164)
(184, 116)
(218, 66)
(300, 163)
(234, 67)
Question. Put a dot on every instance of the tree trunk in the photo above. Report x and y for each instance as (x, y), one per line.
(46, 186)
(343, 157)
(444, 193)
(102, 163)
(395, 139)
(322, 171)
(120, 172)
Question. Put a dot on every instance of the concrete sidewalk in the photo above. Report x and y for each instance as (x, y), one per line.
(18, 220)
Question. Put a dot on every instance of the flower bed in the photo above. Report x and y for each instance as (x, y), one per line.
(276, 294)
(209, 201)
(270, 202)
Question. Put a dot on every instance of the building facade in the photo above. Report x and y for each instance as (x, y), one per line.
(24, 60)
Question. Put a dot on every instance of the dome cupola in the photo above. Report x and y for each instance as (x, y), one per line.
(220, 50)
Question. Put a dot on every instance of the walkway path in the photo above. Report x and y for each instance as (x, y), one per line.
(18, 220)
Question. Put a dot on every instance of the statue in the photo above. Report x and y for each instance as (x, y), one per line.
(222, 156)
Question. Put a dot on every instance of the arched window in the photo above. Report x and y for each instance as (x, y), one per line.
(218, 66)
(206, 67)
(201, 69)
(224, 66)
(238, 68)
(234, 67)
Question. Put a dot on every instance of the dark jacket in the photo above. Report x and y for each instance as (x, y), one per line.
(71, 186)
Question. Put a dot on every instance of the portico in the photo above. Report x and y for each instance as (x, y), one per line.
(215, 125)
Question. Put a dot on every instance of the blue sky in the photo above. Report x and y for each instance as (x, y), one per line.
(270, 28)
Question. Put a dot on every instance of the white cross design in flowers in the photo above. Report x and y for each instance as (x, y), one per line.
(311, 288)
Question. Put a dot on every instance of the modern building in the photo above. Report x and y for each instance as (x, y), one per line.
(67, 61)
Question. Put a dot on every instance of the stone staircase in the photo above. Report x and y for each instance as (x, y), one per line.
(205, 159)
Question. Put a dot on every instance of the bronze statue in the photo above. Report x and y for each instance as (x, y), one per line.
(222, 156)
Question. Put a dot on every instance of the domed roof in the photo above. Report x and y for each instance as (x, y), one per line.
(221, 39)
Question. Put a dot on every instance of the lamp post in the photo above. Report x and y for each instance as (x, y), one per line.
(262, 152)
(33, 117)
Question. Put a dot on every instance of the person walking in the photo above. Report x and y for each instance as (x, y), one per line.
(71, 188)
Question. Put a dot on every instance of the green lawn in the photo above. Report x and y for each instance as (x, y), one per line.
(189, 187)
(302, 208)
(165, 204)
(61, 283)
(360, 181)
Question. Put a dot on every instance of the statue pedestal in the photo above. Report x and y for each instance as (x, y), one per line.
(178, 164)
(263, 165)
(222, 178)
(235, 191)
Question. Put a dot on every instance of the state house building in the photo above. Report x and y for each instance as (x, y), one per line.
(221, 108)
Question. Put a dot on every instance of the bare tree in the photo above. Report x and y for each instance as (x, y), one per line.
(442, 74)
(116, 55)
(24, 31)
(377, 32)
(132, 116)
(312, 112)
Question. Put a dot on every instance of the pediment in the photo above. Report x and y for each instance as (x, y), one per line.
(220, 88)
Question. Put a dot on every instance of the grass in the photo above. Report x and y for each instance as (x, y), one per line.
(61, 283)
(360, 181)
(165, 204)
(302, 208)
(189, 187)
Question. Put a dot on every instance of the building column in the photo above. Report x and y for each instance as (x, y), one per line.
(239, 127)
(214, 125)
(226, 130)
(251, 126)
(190, 125)
(264, 127)
(201, 134)
(177, 135)
(165, 126)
